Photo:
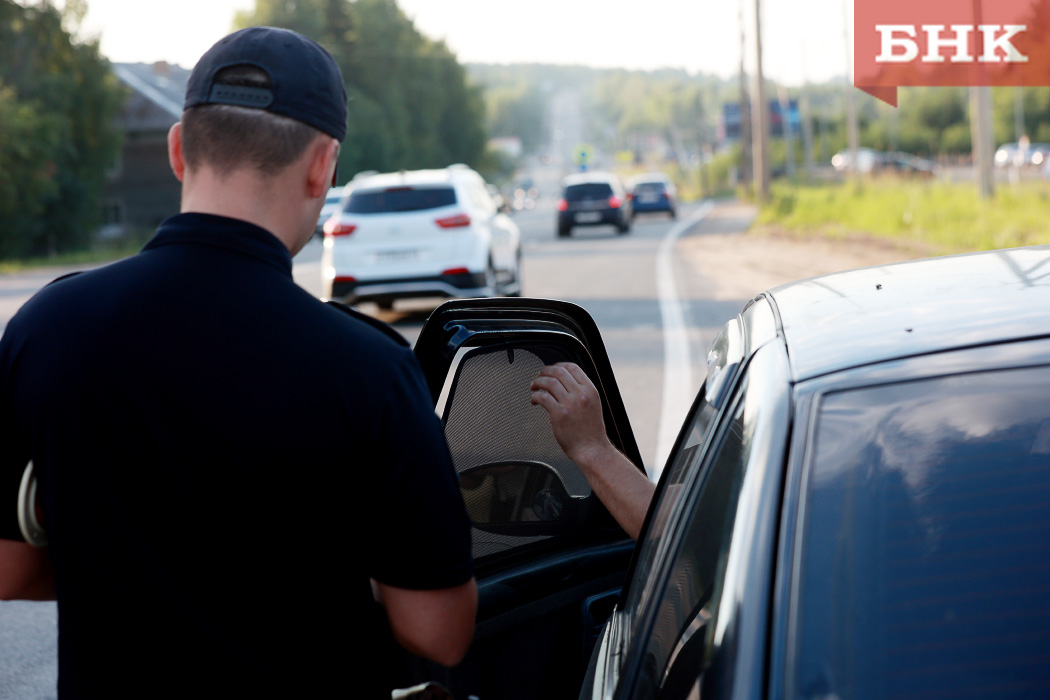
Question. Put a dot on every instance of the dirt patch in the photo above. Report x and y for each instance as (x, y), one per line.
(738, 261)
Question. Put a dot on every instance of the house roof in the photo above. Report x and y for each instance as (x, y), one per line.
(158, 90)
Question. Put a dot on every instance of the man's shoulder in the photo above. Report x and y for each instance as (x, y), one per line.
(372, 323)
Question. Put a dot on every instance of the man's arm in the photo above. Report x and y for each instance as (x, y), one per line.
(435, 624)
(575, 411)
(25, 572)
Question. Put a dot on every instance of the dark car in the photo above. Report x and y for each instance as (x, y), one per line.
(653, 192)
(906, 165)
(593, 199)
(857, 505)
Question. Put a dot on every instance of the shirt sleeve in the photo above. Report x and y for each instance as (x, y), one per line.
(14, 454)
(422, 538)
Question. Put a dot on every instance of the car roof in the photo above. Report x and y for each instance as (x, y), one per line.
(660, 178)
(588, 177)
(875, 314)
(412, 177)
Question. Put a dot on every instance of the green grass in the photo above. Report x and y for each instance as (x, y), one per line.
(942, 217)
(99, 254)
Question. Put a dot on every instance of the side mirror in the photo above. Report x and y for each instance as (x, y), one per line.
(519, 498)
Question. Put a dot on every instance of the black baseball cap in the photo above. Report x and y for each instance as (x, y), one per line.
(305, 82)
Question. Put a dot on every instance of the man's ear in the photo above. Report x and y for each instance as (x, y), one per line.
(178, 164)
(323, 156)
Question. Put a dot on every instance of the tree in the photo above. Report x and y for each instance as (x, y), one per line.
(58, 103)
(411, 105)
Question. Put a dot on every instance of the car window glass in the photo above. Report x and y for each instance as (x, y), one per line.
(685, 460)
(686, 602)
(505, 453)
(723, 359)
(589, 190)
(396, 199)
(925, 550)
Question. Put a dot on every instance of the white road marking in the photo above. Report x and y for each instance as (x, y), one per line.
(678, 391)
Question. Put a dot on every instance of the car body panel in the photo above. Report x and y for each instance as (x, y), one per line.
(914, 308)
(593, 199)
(653, 192)
(420, 234)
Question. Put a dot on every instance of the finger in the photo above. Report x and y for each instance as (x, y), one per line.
(552, 386)
(562, 372)
(577, 373)
(542, 398)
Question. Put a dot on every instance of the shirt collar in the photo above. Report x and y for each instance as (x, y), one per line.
(222, 232)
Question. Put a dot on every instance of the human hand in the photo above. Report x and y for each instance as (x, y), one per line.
(575, 409)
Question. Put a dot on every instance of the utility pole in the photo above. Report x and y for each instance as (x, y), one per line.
(851, 102)
(981, 125)
(745, 106)
(786, 131)
(1019, 129)
(807, 120)
(981, 134)
(760, 116)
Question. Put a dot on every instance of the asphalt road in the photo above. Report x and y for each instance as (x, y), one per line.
(656, 327)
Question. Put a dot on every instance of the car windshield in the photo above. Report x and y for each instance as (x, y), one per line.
(400, 199)
(589, 190)
(925, 558)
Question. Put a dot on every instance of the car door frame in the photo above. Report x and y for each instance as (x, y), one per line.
(514, 590)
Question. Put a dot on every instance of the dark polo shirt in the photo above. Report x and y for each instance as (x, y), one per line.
(224, 461)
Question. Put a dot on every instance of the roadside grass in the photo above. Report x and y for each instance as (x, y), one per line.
(938, 216)
(99, 254)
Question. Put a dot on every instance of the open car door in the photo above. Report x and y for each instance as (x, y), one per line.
(549, 558)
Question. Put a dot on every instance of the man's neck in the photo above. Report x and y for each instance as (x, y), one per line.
(244, 195)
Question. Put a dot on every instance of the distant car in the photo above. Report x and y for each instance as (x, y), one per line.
(422, 233)
(906, 164)
(857, 505)
(331, 206)
(867, 160)
(593, 199)
(1012, 154)
(653, 192)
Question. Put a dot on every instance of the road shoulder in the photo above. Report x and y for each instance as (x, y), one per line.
(740, 263)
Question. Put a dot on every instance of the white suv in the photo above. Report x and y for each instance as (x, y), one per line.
(422, 233)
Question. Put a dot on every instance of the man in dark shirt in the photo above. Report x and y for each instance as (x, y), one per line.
(231, 473)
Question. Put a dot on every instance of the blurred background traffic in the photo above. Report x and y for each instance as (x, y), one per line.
(84, 172)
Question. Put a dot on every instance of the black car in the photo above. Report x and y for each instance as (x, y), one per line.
(593, 199)
(857, 505)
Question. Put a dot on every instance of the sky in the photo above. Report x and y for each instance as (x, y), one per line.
(802, 39)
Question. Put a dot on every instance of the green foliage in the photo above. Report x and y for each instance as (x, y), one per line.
(942, 217)
(517, 109)
(630, 108)
(410, 103)
(58, 102)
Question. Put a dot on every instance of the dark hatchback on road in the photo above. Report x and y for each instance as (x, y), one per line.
(593, 199)
(857, 505)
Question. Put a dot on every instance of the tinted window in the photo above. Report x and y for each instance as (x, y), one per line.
(687, 599)
(925, 562)
(399, 199)
(589, 190)
(649, 188)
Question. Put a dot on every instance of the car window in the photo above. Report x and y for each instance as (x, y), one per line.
(589, 190)
(649, 188)
(399, 199)
(723, 360)
(925, 553)
(518, 485)
(687, 598)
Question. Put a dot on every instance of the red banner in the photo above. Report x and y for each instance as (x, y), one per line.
(949, 42)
